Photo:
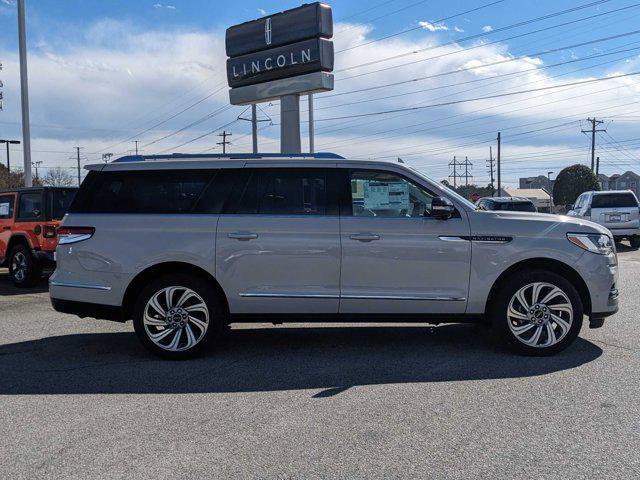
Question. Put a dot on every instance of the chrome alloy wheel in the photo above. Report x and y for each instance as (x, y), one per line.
(540, 314)
(176, 318)
(19, 266)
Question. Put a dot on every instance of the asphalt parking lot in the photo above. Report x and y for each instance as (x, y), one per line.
(82, 399)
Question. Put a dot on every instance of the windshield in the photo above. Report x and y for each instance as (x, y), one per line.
(444, 189)
(60, 201)
(610, 200)
(517, 206)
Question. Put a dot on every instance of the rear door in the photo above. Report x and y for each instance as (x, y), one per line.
(7, 208)
(396, 257)
(278, 242)
(616, 211)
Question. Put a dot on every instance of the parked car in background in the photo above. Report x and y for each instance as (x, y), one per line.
(616, 210)
(185, 245)
(512, 204)
(29, 218)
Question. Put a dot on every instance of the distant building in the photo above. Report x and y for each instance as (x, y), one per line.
(539, 196)
(627, 181)
(540, 181)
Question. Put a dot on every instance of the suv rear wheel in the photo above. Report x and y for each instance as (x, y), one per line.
(23, 267)
(175, 316)
(537, 313)
(634, 241)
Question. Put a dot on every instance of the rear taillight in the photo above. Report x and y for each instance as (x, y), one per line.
(68, 235)
(49, 231)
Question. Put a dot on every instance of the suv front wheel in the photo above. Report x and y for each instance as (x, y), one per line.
(175, 316)
(23, 268)
(537, 313)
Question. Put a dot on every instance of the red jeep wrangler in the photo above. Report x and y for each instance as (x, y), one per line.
(29, 218)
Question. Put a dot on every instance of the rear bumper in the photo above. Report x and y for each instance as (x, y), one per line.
(624, 232)
(93, 310)
(44, 258)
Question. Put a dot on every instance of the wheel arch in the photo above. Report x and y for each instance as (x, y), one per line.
(154, 271)
(548, 264)
(18, 239)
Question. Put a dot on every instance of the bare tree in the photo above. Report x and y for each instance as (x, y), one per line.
(57, 177)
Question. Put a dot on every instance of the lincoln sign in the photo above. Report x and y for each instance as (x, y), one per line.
(283, 54)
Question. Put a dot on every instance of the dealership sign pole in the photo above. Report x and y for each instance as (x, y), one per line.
(282, 56)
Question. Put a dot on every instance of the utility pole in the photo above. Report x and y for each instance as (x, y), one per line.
(490, 165)
(593, 131)
(36, 164)
(311, 130)
(254, 127)
(106, 157)
(551, 192)
(597, 166)
(467, 164)
(455, 173)
(136, 142)
(498, 166)
(224, 141)
(78, 158)
(9, 142)
(24, 93)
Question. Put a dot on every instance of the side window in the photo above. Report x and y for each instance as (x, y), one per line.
(6, 206)
(384, 194)
(578, 204)
(300, 191)
(30, 206)
(143, 192)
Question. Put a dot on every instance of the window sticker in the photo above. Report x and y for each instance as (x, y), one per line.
(4, 209)
(386, 196)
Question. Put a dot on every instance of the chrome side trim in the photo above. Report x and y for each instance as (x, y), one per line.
(286, 295)
(453, 239)
(79, 285)
(350, 297)
(403, 297)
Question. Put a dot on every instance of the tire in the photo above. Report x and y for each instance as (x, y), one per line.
(23, 267)
(198, 319)
(517, 327)
(634, 242)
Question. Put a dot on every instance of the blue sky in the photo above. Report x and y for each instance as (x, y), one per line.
(103, 73)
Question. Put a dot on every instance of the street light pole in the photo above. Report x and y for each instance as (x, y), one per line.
(9, 142)
(551, 192)
(26, 134)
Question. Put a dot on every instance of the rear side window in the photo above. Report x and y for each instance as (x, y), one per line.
(60, 200)
(30, 206)
(300, 191)
(144, 192)
(7, 203)
(610, 200)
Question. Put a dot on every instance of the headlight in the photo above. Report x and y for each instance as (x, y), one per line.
(594, 242)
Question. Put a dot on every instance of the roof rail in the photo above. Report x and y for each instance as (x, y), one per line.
(227, 156)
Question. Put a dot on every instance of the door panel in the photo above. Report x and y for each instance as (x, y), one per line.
(397, 260)
(278, 251)
(7, 209)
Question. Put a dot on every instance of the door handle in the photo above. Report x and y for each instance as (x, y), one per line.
(243, 236)
(364, 237)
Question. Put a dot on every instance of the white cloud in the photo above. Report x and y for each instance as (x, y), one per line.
(262, 11)
(433, 27)
(458, 29)
(8, 2)
(167, 7)
(487, 28)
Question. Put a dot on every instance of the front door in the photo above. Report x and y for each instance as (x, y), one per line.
(7, 207)
(278, 243)
(396, 257)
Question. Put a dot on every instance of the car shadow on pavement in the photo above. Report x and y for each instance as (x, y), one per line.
(332, 359)
(8, 288)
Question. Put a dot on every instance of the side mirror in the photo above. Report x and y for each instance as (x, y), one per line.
(441, 208)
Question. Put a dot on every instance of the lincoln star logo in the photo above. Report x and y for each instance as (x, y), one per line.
(267, 31)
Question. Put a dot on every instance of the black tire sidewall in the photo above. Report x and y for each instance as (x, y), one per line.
(498, 311)
(33, 269)
(202, 288)
(634, 242)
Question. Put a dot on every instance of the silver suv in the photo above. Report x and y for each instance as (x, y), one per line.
(186, 245)
(616, 210)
